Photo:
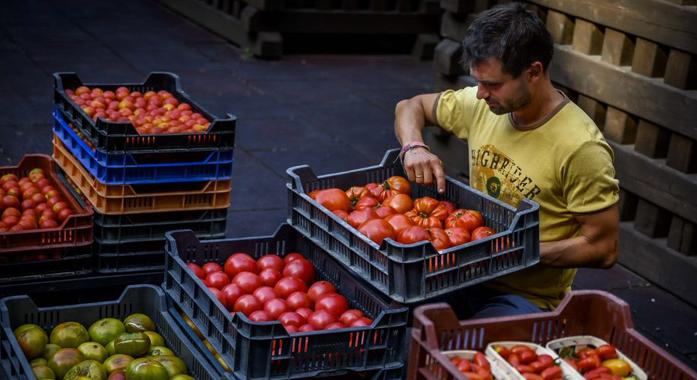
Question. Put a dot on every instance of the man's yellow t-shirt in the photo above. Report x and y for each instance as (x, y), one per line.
(564, 164)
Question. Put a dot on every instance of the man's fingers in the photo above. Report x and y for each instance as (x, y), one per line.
(428, 174)
(440, 176)
(409, 170)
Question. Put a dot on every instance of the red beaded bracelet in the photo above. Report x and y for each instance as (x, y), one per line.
(409, 146)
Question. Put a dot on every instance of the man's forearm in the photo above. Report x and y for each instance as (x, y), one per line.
(578, 252)
(409, 121)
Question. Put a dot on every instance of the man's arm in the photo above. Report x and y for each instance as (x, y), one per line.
(411, 116)
(595, 247)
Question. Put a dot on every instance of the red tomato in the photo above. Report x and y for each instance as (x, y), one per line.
(384, 211)
(360, 216)
(457, 236)
(367, 202)
(467, 219)
(588, 363)
(439, 238)
(292, 256)
(304, 312)
(481, 360)
(319, 289)
(287, 285)
(527, 357)
(350, 316)
(514, 359)
(248, 281)
(551, 373)
(291, 318)
(306, 327)
(320, 319)
(392, 186)
(333, 199)
(270, 262)
(335, 326)
(343, 215)
(264, 294)
(260, 316)
(231, 292)
(518, 349)
(302, 269)
(275, 307)
(503, 351)
(482, 232)
(355, 193)
(197, 270)
(362, 322)
(238, 263)
(219, 295)
(532, 376)
(401, 203)
(216, 280)
(449, 206)
(545, 360)
(524, 368)
(247, 304)
(212, 267)
(412, 234)
(377, 230)
(473, 376)
(290, 329)
(606, 352)
(333, 303)
(464, 365)
(270, 277)
(297, 300)
(398, 221)
(428, 212)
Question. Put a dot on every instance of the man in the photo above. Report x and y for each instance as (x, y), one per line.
(526, 139)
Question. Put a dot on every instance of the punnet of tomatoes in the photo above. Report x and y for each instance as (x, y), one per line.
(387, 210)
(472, 364)
(529, 361)
(284, 289)
(31, 202)
(150, 112)
(601, 362)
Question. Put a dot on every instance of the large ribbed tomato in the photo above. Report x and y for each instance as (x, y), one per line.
(457, 235)
(467, 219)
(367, 202)
(355, 193)
(413, 234)
(377, 230)
(360, 216)
(439, 238)
(399, 202)
(399, 221)
(392, 186)
(333, 199)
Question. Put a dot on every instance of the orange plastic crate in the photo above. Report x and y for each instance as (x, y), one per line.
(587, 312)
(76, 230)
(133, 199)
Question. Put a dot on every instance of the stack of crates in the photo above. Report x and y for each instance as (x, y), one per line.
(142, 185)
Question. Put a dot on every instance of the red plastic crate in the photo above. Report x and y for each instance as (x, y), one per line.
(588, 312)
(76, 230)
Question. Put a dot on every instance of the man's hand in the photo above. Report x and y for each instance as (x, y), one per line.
(423, 167)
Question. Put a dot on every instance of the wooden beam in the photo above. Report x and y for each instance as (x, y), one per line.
(652, 179)
(619, 126)
(457, 6)
(628, 204)
(454, 26)
(651, 220)
(645, 98)
(211, 18)
(618, 48)
(653, 260)
(649, 58)
(682, 236)
(659, 21)
(587, 38)
(560, 26)
(681, 70)
(652, 140)
(447, 57)
(425, 46)
(682, 153)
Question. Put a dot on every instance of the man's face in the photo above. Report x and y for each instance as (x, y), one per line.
(500, 90)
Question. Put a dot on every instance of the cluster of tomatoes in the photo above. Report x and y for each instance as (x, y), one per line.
(31, 202)
(279, 289)
(476, 369)
(387, 210)
(601, 363)
(150, 112)
(529, 364)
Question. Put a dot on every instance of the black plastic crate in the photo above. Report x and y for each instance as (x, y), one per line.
(147, 299)
(266, 350)
(46, 265)
(411, 273)
(113, 137)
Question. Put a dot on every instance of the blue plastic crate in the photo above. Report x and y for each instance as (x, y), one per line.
(183, 165)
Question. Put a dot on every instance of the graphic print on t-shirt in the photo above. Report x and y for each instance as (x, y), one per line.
(499, 176)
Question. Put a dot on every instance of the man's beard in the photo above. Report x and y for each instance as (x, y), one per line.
(522, 101)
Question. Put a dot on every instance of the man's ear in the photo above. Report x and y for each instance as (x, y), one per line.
(536, 71)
